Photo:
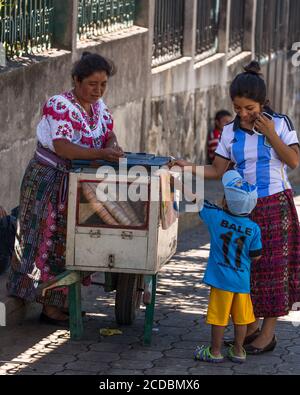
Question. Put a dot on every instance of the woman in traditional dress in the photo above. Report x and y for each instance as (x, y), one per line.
(74, 125)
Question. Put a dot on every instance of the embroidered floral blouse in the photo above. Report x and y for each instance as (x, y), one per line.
(64, 118)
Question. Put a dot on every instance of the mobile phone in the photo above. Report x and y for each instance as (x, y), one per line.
(266, 115)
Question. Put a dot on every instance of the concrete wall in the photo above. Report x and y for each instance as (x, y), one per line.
(166, 110)
(24, 90)
(292, 98)
(292, 105)
(185, 97)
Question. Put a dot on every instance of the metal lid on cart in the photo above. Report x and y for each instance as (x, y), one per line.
(130, 159)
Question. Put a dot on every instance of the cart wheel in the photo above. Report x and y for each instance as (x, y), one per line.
(128, 297)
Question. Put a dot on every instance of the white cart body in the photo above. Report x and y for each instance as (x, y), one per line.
(119, 249)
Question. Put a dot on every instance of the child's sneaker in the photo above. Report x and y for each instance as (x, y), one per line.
(202, 353)
(236, 358)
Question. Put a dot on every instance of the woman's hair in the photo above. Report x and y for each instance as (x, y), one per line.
(250, 84)
(90, 63)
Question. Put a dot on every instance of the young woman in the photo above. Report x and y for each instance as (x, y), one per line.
(261, 146)
(74, 125)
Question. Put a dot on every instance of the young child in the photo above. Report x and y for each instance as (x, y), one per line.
(222, 117)
(235, 241)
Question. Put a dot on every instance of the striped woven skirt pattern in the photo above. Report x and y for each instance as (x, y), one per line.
(275, 278)
(40, 243)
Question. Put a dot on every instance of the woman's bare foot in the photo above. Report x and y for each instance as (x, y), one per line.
(262, 340)
(250, 332)
(252, 328)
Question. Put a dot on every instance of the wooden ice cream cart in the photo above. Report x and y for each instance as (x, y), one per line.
(121, 222)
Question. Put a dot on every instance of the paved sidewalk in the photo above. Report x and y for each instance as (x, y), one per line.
(33, 348)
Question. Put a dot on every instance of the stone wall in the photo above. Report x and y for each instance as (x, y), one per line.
(24, 90)
(166, 110)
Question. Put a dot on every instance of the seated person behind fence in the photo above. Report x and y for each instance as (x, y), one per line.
(221, 119)
(7, 237)
(74, 125)
(235, 241)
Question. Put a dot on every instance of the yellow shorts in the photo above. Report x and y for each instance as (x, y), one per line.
(222, 304)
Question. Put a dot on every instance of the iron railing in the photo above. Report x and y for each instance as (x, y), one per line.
(237, 25)
(294, 23)
(269, 32)
(26, 26)
(97, 17)
(208, 12)
(168, 31)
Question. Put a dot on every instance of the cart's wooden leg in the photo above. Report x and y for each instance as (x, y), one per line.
(150, 313)
(76, 326)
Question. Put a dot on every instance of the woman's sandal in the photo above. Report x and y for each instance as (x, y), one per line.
(202, 353)
(252, 350)
(236, 358)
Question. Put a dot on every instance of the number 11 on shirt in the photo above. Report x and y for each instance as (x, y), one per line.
(226, 237)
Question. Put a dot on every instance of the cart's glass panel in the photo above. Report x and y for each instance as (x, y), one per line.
(103, 204)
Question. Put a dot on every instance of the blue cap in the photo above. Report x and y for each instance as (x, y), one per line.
(241, 197)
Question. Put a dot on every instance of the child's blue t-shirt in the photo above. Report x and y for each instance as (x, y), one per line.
(234, 241)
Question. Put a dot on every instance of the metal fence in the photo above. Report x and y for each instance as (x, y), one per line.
(294, 23)
(97, 17)
(25, 26)
(269, 32)
(237, 25)
(168, 31)
(208, 12)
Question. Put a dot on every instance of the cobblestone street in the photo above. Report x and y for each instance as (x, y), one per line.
(33, 348)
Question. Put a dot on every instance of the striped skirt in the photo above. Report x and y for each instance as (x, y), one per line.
(275, 278)
(40, 243)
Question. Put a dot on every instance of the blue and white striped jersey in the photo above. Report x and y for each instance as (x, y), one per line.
(254, 158)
